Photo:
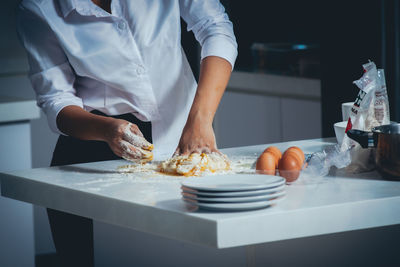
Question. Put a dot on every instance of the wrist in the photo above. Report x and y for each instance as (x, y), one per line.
(106, 127)
(204, 117)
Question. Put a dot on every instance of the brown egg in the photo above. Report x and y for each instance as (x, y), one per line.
(296, 156)
(298, 151)
(266, 163)
(276, 152)
(289, 167)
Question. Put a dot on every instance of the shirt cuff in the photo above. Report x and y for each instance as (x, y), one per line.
(52, 113)
(220, 47)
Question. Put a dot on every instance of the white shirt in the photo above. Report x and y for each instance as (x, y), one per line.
(129, 61)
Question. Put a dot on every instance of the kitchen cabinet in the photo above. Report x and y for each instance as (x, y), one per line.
(300, 119)
(16, 217)
(247, 119)
(263, 108)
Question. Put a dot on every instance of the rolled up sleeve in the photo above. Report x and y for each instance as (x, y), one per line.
(211, 27)
(50, 73)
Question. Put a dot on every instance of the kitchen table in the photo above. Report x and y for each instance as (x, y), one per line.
(313, 206)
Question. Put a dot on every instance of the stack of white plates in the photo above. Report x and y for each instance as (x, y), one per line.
(236, 192)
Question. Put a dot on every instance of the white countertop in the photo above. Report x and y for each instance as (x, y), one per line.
(17, 109)
(313, 206)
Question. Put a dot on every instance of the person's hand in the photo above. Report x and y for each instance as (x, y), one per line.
(124, 138)
(127, 141)
(197, 137)
(198, 134)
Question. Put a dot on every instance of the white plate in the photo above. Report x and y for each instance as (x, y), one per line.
(233, 206)
(233, 199)
(233, 194)
(234, 182)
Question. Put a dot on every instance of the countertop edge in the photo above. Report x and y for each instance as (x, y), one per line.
(148, 219)
(326, 220)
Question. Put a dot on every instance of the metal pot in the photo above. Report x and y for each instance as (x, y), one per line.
(386, 139)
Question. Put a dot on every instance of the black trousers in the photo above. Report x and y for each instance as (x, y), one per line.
(72, 234)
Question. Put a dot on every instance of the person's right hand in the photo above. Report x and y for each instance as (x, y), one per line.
(124, 138)
(127, 141)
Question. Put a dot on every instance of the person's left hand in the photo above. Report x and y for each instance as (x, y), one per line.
(198, 134)
(197, 137)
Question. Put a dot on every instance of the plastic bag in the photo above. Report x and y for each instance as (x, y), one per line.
(362, 118)
(370, 109)
(381, 101)
(320, 163)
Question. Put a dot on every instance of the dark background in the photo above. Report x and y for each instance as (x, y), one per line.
(349, 33)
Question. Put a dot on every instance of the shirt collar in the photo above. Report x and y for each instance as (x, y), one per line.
(83, 7)
(66, 6)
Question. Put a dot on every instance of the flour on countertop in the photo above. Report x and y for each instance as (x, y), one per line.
(195, 164)
(148, 175)
(237, 165)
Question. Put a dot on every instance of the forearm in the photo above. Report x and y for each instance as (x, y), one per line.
(124, 138)
(77, 122)
(198, 135)
(214, 76)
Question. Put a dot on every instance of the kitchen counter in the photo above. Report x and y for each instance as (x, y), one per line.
(313, 206)
(14, 109)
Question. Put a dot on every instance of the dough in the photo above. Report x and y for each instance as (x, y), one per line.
(195, 164)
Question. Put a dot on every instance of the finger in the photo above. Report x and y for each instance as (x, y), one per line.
(215, 150)
(146, 155)
(132, 153)
(185, 152)
(206, 150)
(129, 152)
(117, 152)
(116, 149)
(197, 150)
(135, 129)
(135, 139)
(177, 152)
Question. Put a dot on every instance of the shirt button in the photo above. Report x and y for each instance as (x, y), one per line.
(122, 25)
(140, 70)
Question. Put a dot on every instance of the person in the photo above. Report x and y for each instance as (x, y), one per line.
(103, 70)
